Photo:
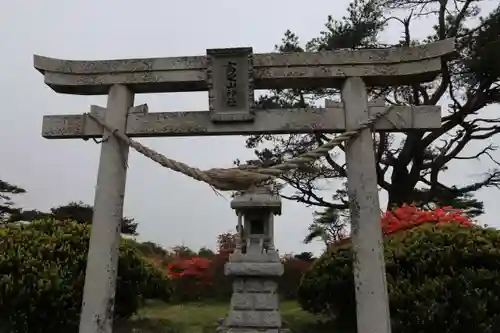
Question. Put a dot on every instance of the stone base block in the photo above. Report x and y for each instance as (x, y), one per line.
(255, 301)
(270, 256)
(253, 269)
(252, 330)
(264, 319)
(254, 285)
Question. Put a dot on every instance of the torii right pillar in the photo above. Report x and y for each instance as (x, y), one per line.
(372, 302)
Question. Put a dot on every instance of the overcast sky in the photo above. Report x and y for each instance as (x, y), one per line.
(171, 209)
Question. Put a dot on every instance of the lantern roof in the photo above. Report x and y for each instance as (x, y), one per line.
(258, 198)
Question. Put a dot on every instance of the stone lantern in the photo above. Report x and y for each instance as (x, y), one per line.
(255, 265)
(255, 210)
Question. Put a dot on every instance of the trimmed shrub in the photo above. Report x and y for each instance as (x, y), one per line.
(441, 278)
(289, 282)
(42, 272)
(221, 284)
(190, 278)
(201, 278)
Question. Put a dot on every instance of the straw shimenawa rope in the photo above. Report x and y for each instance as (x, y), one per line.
(242, 177)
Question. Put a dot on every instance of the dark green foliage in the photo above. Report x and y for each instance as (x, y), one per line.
(75, 211)
(6, 205)
(306, 256)
(183, 251)
(440, 278)
(42, 271)
(483, 46)
(471, 206)
(151, 249)
(205, 252)
(328, 225)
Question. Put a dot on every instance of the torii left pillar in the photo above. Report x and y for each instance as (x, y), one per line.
(102, 261)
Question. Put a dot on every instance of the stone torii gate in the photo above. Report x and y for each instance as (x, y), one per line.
(230, 76)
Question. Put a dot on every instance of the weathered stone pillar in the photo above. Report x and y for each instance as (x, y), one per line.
(372, 301)
(255, 301)
(102, 262)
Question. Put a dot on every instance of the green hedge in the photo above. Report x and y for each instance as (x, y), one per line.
(440, 278)
(42, 271)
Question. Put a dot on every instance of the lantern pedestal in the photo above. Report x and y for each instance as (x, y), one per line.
(255, 301)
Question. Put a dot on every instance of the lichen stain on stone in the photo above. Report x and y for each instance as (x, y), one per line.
(100, 321)
(101, 324)
(355, 212)
(110, 308)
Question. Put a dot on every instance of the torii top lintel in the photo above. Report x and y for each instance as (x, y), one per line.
(328, 69)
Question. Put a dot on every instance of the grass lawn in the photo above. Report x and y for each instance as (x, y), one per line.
(202, 317)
